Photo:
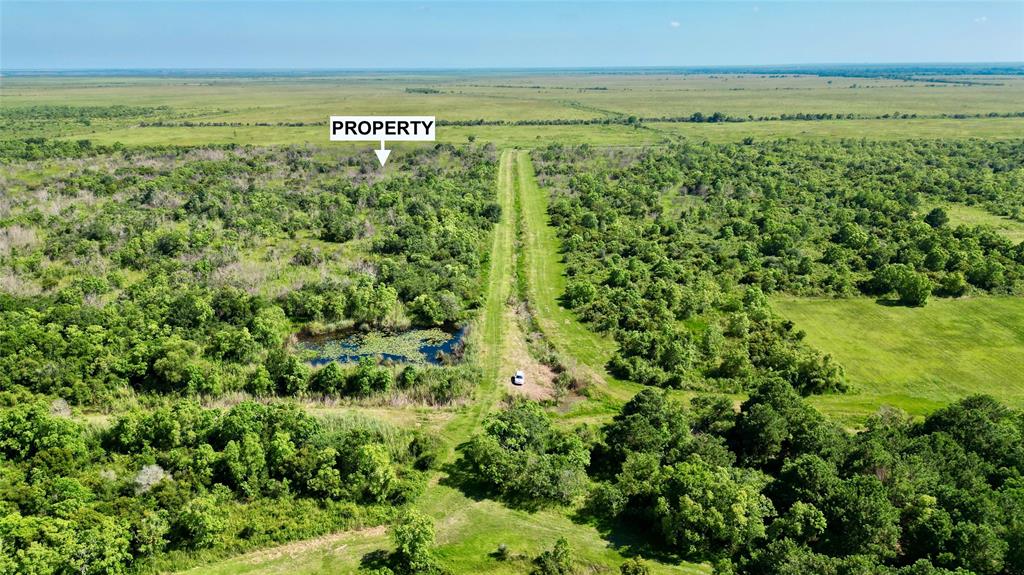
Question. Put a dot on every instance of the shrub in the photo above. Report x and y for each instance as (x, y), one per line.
(634, 566)
(555, 561)
(202, 520)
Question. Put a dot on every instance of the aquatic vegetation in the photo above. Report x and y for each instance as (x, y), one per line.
(412, 346)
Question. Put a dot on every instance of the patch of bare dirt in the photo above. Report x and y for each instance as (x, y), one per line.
(332, 541)
(539, 377)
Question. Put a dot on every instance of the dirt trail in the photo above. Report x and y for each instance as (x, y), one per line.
(539, 377)
(333, 541)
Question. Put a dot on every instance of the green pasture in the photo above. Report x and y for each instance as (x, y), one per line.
(596, 135)
(960, 214)
(516, 97)
(934, 128)
(276, 100)
(501, 136)
(469, 532)
(469, 95)
(917, 359)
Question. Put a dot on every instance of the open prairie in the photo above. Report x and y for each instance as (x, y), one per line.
(294, 109)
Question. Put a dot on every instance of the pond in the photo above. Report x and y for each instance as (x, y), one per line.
(409, 346)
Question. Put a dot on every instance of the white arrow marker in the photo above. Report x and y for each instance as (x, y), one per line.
(382, 154)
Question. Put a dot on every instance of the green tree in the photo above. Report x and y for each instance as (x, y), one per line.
(803, 523)
(937, 217)
(191, 309)
(151, 532)
(290, 376)
(373, 477)
(648, 423)
(704, 510)
(413, 536)
(863, 519)
(913, 288)
(978, 548)
(329, 379)
(259, 383)
(269, 326)
(102, 548)
(926, 528)
(246, 464)
(953, 284)
(369, 378)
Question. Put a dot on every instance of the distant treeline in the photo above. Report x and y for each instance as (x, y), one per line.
(40, 148)
(696, 117)
(718, 117)
(539, 87)
(190, 124)
(946, 81)
(78, 112)
(37, 148)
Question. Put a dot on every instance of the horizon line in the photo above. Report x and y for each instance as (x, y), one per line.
(702, 67)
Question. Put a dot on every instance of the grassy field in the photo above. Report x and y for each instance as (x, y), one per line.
(976, 216)
(988, 128)
(468, 535)
(916, 359)
(510, 96)
(595, 135)
(507, 97)
(501, 136)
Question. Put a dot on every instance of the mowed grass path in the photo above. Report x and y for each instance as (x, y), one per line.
(575, 342)
(468, 529)
(545, 274)
(917, 359)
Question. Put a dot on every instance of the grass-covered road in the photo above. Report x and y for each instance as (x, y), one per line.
(545, 274)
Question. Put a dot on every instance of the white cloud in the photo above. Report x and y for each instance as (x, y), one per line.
(674, 23)
(981, 19)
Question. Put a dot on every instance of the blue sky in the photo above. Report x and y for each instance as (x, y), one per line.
(244, 34)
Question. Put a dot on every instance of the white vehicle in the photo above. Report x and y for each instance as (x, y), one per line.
(519, 378)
